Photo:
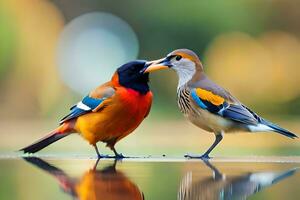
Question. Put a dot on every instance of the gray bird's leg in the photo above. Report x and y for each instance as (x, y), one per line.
(205, 156)
(216, 173)
(218, 139)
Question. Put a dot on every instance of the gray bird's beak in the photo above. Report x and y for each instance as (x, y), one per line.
(155, 65)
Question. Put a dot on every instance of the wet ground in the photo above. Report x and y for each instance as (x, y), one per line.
(234, 173)
(152, 179)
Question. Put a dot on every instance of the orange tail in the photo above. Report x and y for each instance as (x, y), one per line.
(57, 134)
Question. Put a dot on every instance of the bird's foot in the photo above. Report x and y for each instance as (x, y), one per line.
(202, 157)
(119, 156)
(100, 156)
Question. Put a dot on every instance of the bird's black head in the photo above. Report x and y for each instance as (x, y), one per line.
(131, 75)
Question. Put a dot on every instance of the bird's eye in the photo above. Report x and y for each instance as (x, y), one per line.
(178, 57)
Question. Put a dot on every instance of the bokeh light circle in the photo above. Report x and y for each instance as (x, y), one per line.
(91, 47)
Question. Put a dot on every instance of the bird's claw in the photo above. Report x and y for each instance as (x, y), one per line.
(202, 157)
(103, 156)
(119, 156)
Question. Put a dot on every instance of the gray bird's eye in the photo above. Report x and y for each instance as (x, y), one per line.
(178, 57)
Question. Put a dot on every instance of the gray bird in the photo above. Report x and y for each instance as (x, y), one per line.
(220, 186)
(208, 105)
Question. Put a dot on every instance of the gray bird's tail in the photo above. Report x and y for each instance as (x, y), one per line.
(278, 129)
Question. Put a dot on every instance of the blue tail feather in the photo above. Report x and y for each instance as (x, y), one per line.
(278, 129)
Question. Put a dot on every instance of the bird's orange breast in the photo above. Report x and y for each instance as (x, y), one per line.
(107, 186)
(120, 116)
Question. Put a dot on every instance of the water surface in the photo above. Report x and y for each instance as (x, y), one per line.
(153, 179)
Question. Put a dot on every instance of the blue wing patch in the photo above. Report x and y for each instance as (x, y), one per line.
(237, 113)
(92, 103)
(206, 105)
(198, 100)
(86, 105)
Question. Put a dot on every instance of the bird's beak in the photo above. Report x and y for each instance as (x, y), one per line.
(155, 65)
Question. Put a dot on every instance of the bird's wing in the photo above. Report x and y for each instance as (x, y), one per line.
(90, 103)
(218, 105)
(66, 183)
(210, 96)
(207, 84)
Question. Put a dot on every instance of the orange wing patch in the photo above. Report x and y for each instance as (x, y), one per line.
(209, 96)
(103, 92)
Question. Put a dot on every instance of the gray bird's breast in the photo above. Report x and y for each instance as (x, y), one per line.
(190, 111)
(184, 101)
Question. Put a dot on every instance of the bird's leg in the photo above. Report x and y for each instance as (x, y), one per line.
(216, 173)
(96, 164)
(115, 163)
(218, 139)
(97, 151)
(111, 169)
(205, 156)
(117, 155)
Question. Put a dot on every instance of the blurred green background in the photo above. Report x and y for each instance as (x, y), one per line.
(53, 52)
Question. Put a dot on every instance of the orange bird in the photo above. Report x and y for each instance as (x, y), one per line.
(107, 184)
(109, 113)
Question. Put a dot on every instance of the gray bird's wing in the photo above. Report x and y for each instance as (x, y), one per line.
(205, 83)
(213, 98)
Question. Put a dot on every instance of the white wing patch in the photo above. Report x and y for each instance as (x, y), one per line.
(82, 106)
(263, 178)
(260, 128)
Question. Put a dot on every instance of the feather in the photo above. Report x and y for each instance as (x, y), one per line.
(86, 105)
(90, 103)
(52, 137)
(207, 100)
(205, 83)
(209, 96)
(217, 105)
(279, 130)
(198, 100)
(240, 114)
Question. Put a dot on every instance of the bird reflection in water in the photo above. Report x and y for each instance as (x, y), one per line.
(221, 187)
(105, 184)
